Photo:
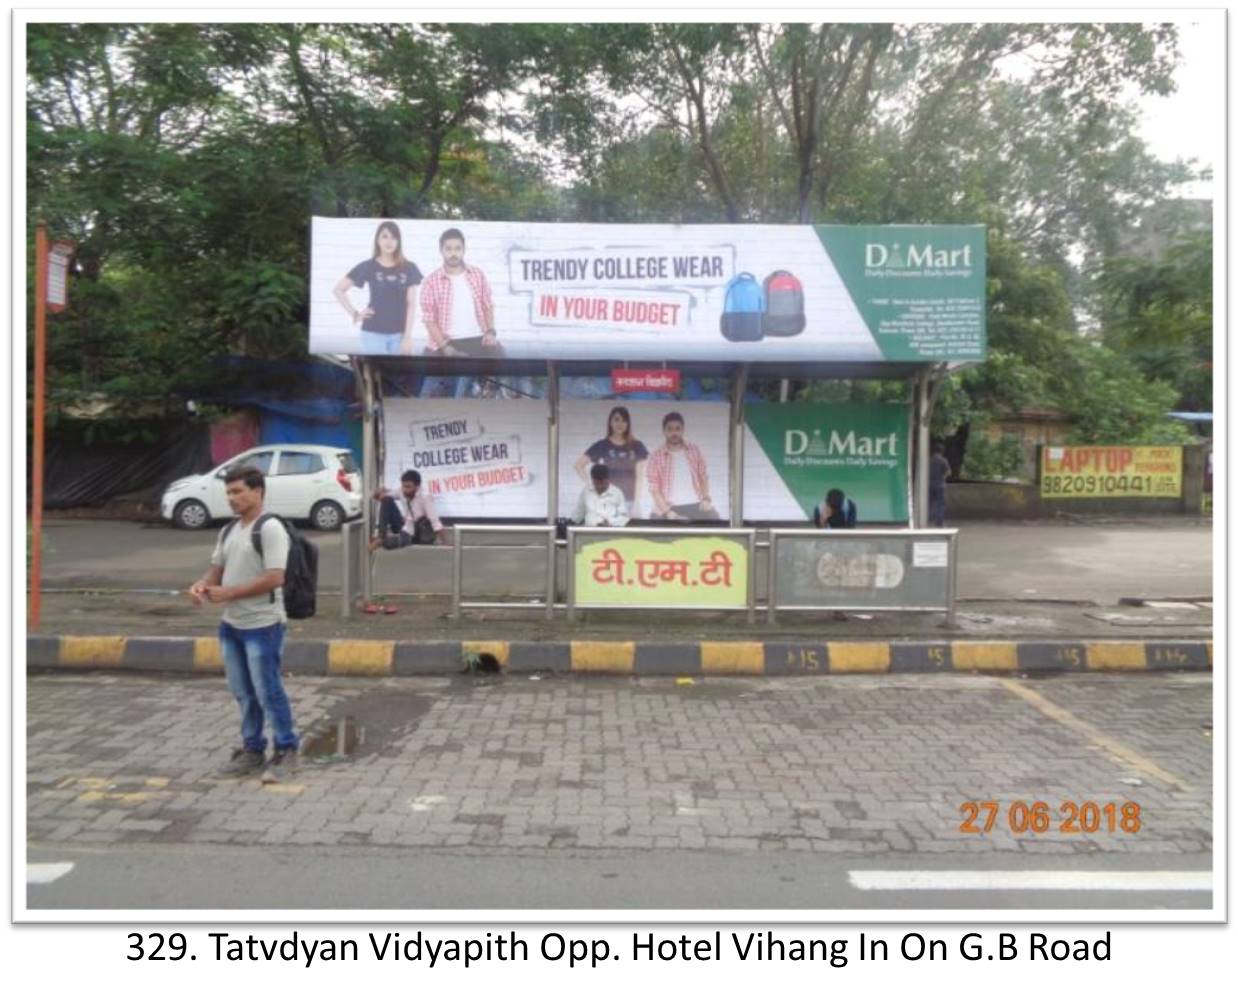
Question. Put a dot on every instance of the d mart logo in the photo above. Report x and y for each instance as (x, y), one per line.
(797, 442)
(878, 255)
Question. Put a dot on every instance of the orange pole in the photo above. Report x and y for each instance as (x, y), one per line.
(40, 363)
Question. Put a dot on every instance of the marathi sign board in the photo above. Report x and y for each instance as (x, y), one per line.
(751, 293)
(1111, 472)
(669, 458)
(794, 453)
(844, 569)
(684, 572)
(637, 381)
(477, 458)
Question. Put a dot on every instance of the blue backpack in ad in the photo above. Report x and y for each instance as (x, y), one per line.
(743, 309)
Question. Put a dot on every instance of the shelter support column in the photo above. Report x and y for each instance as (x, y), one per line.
(369, 473)
(552, 443)
(739, 386)
(920, 401)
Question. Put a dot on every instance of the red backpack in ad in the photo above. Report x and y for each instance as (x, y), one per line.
(784, 305)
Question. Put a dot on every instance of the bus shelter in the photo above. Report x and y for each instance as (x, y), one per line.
(639, 347)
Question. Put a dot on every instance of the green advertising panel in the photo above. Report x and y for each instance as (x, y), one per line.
(919, 288)
(802, 450)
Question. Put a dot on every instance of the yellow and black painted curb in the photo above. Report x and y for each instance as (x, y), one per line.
(377, 658)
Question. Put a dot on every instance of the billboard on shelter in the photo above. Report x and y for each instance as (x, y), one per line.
(671, 459)
(794, 453)
(477, 458)
(752, 293)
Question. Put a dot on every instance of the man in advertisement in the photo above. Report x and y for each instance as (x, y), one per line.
(600, 503)
(409, 520)
(458, 306)
(678, 477)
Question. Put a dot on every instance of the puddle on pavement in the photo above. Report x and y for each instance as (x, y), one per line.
(339, 742)
(366, 724)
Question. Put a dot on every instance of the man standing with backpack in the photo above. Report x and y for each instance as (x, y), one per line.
(246, 575)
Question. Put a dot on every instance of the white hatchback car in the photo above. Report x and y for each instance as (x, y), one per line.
(319, 483)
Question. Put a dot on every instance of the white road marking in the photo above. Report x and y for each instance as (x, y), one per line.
(47, 873)
(1103, 881)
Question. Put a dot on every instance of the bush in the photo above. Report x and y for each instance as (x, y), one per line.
(986, 460)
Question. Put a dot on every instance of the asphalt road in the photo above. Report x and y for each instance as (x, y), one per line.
(187, 877)
(1101, 562)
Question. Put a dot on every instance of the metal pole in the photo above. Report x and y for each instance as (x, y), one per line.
(457, 570)
(552, 443)
(752, 576)
(551, 561)
(771, 578)
(739, 384)
(953, 579)
(922, 454)
(369, 473)
(571, 574)
(40, 393)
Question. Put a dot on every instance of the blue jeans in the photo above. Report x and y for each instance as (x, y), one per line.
(252, 661)
(380, 343)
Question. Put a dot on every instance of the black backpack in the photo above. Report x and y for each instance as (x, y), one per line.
(300, 572)
(784, 304)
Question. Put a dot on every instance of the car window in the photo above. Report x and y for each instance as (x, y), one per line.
(260, 460)
(297, 462)
(347, 464)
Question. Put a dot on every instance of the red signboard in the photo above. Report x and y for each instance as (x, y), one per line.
(631, 381)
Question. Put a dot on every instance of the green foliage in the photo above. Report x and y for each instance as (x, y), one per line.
(987, 460)
(185, 160)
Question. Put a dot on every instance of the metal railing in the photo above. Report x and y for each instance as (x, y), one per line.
(748, 536)
(462, 531)
(356, 563)
(851, 536)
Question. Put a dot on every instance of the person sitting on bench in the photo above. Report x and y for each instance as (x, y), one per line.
(409, 519)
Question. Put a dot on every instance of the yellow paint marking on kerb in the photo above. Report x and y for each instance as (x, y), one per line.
(499, 649)
(364, 657)
(1116, 657)
(859, 658)
(1116, 749)
(206, 654)
(985, 656)
(92, 651)
(603, 655)
(732, 657)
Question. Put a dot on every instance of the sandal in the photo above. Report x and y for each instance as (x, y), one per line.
(390, 610)
(371, 609)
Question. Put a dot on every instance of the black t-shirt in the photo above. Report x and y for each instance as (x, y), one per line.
(621, 460)
(388, 293)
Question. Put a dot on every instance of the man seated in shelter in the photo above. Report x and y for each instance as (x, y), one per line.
(836, 512)
(409, 519)
(600, 502)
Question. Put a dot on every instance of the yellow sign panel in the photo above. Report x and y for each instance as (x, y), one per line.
(1111, 472)
(707, 572)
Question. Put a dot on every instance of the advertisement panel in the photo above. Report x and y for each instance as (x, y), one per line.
(477, 458)
(755, 293)
(840, 568)
(699, 572)
(1111, 472)
(794, 453)
(670, 459)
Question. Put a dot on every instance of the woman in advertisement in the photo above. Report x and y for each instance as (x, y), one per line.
(387, 320)
(622, 453)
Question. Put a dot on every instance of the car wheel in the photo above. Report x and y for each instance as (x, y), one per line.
(327, 516)
(191, 515)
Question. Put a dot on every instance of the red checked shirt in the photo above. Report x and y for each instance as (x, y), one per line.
(661, 468)
(436, 298)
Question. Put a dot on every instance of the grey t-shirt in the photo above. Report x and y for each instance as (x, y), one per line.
(242, 565)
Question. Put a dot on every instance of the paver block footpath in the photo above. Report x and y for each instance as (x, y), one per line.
(779, 656)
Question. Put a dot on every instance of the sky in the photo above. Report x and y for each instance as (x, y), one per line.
(1191, 122)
